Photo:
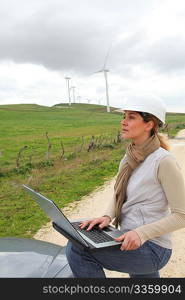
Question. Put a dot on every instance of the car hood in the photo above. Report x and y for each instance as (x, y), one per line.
(31, 258)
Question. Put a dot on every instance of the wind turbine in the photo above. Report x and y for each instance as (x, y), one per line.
(68, 88)
(105, 71)
(79, 98)
(89, 101)
(73, 88)
(99, 101)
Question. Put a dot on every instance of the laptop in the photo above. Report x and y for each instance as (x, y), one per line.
(94, 239)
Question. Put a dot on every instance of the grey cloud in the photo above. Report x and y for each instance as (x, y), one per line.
(58, 40)
(71, 35)
(163, 56)
(128, 52)
(167, 55)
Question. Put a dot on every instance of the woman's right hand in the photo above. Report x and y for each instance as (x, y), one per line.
(101, 222)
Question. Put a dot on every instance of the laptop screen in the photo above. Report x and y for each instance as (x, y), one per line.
(55, 214)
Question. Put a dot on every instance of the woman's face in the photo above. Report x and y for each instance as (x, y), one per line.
(134, 127)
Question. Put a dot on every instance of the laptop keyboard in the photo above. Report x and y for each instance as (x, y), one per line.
(95, 234)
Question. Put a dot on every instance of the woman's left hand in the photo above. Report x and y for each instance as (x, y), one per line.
(131, 240)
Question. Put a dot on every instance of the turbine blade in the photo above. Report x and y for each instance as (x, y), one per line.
(106, 58)
(98, 71)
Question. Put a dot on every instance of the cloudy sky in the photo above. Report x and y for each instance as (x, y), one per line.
(141, 43)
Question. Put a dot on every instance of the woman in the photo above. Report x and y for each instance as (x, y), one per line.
(148, 202)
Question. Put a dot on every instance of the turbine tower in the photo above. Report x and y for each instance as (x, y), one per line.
(73, 88)
(68, 88)
(105, 71)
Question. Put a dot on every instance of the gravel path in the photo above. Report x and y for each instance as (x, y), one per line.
(93, 206)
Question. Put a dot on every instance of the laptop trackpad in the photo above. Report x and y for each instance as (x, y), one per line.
(114, 234)
(111, 231)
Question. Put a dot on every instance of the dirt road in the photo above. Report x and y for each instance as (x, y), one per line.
(93, 206)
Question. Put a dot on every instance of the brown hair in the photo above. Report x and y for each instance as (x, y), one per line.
(155, 130)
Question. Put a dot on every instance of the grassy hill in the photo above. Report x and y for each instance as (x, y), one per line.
(58, 164)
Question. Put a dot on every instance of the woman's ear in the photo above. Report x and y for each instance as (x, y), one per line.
(150, 125)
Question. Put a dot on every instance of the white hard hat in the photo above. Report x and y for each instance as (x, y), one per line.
(146, 103)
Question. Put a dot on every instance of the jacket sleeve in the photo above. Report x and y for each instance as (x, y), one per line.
(171, 178)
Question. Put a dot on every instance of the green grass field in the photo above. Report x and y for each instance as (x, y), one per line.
(26, 125)
(64, 179)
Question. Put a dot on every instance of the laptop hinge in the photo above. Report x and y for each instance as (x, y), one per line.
(69, 237)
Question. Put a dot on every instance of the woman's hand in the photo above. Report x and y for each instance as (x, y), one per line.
(102, 221)
(131, 240)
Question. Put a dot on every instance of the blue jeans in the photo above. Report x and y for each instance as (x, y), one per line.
(146, 261)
